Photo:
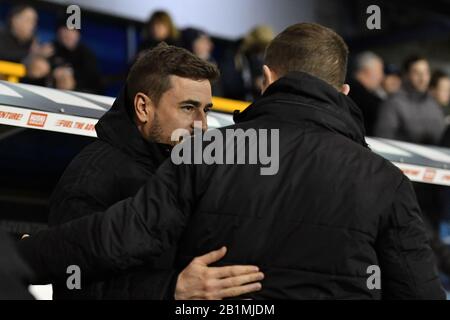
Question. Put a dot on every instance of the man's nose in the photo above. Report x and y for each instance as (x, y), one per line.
(201, 121)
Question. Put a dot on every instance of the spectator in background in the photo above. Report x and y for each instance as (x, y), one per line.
(201, 45)
(440, 90)
(18, 38)
(366, 81)
(38, 71)
(242, 71)
(392, 81)
(74, 63)
(64, 78)
(159, 28)
(412, 114)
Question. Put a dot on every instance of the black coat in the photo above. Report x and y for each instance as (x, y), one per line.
(14, 273)
(368, 102)
(11, 49)
(83, 62)
(107, 171)
(333, 209)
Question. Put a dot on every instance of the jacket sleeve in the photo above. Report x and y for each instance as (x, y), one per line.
(407, 264)
(141, 285)
(124, 236)
(14, 273)
(388, 123)
(137, 284)
(154, 281)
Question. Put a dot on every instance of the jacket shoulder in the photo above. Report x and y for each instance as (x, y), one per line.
(93, 181)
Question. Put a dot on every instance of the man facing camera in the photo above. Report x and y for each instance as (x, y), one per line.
(167, 88)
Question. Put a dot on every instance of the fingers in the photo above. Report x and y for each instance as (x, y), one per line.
(212, 257)
(220, 282)
(233, 286)
(238, 291)
(231, 271)
(240, 280)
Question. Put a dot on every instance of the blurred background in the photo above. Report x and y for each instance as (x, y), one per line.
(232, 34)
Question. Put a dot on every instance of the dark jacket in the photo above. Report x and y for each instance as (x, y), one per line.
(83, 62)
(107, 171)
(333, 209)
(14, 273)
(11, 49)
(368, 102)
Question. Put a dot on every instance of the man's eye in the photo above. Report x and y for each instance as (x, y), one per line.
(206, 110)
(187, 108)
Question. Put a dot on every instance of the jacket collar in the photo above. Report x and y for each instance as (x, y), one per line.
(117, 128)
(299, 97)
(412, 93)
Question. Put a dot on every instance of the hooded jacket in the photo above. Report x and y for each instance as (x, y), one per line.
(336, 221)
(111, 169)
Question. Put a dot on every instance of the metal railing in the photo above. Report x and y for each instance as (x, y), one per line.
(12, 71)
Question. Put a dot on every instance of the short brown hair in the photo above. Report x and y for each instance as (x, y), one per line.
(151, 73)
(310, 48)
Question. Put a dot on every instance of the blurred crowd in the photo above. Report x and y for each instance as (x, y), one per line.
(410, 103)
(67, 63)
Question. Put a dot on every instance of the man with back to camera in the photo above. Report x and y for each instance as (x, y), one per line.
(330, 212)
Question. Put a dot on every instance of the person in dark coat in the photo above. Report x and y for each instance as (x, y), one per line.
(69, 52)
(199, 43)
(364, 84)
(127, 154)
(326, 211)
(242, 66)
(159, 28)
(14, 273)
(18, 38)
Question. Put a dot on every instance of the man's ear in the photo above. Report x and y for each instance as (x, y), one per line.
(269, 78)
(143, 108)
(345, 89)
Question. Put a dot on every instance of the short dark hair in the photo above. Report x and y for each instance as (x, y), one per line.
(436, 77)
(409, 61)
(151, 72)
(311, 48)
